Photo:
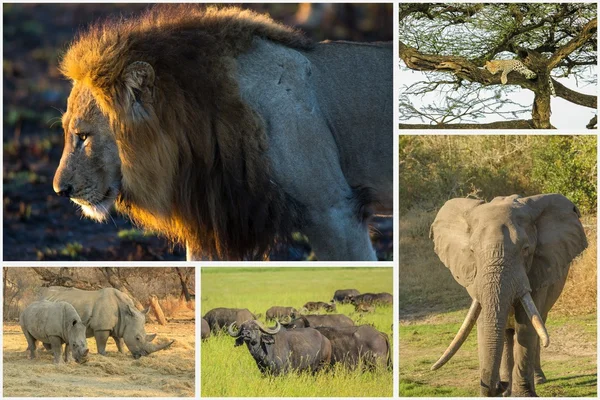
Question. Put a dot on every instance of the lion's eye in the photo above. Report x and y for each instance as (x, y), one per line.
(82, 136)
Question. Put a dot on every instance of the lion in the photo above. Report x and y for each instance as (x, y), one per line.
(227, 132)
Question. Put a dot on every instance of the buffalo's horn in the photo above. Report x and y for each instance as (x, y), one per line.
(535, 318)
(286, 319)
(461, 335)
(231, 331)
(270, 331)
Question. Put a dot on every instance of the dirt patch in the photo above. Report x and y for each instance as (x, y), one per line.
(169, 373)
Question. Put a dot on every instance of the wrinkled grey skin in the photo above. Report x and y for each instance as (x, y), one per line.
(343, 295)
(314, 321)
(221, 317)
(502, 252)
(353, 344)
(328, 113)
(54, 324)
(108, 312)
(278, 312)
(278, 351)
(372, 298)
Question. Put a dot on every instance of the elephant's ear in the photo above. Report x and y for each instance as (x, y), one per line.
(560, 237)
(450, 235)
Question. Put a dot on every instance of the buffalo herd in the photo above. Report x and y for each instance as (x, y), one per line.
(300, 341)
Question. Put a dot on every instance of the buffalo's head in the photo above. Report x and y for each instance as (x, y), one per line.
(253, 332)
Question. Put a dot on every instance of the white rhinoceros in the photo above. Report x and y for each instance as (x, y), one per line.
(54, 323)
(108, 312)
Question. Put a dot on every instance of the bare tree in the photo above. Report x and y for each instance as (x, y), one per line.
(184, 288)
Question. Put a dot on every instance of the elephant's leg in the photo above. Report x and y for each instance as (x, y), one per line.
(507, 364)
(540, 377)
(56, 344)
(526, 348)
(31, 344)
(101, 339)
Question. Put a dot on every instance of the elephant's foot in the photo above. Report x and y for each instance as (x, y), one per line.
(503, 389)
(523, 393)
(540, 377)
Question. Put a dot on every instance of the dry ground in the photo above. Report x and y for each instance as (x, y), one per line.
(169, 373)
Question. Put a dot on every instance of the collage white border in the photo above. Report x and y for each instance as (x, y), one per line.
(394, 264)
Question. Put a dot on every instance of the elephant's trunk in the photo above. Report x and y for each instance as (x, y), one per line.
(499, 296)
(461, 335)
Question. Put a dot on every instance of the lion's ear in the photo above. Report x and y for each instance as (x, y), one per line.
(138, 78)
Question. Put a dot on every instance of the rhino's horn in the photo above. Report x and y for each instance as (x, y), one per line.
(151, 347)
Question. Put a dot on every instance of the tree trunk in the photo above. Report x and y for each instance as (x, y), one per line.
(184, 288)
(158, 312)
(541, 111)
(4, 305)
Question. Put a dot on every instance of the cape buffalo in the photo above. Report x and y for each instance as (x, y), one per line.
(204, 330)
(317, 305)
(354, 344)
(372, 298)
(278, 351)
(220, 318)
(343, 295)
(277, 312)
(313, 321)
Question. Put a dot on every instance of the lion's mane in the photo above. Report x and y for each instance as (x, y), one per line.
(193, 162)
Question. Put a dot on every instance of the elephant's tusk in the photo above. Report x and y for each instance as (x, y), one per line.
(461, 335)
(535, 318)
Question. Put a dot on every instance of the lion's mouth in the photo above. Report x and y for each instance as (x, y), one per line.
(99, 210)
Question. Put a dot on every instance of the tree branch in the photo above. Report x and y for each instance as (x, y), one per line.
(563, 51)
(586, 100)
(515, 124)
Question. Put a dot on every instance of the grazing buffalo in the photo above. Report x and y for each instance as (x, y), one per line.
(364, 307)
(317, 305)
(277, 312)
(372, 298)
(220, 318)
(354, 344)
(313, 321)
(204, 330)
(278, 351)
(343, 295)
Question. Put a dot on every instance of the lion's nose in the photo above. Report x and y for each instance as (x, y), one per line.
(64, 191)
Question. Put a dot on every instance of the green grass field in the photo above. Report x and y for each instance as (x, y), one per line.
(228, 371)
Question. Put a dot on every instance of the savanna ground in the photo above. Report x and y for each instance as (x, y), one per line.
(39, 225)
(228, 371)
(167, 373)
(433, 305)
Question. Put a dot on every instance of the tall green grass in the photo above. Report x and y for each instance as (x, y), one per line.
(231, 371)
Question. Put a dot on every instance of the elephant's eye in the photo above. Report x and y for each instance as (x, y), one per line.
(525, 250)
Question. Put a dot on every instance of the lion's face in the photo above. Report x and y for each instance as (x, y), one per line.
(89, 172)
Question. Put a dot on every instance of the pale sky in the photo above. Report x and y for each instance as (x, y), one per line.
(566, 116)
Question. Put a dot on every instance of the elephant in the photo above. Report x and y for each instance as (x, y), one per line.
(512, 255)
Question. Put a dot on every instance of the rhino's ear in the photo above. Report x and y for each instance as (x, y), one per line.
(268, 339)
(131, 311)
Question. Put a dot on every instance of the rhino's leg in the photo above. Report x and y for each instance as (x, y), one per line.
(47, 346)
(101, 339)
(68, 353)
(119, 342)
(31, 344)
(56, 344)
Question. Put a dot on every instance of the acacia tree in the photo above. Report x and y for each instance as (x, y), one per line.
(452, 42)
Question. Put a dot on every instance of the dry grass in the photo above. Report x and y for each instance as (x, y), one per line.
(168, 373)
(580, 292)
(174, 306)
